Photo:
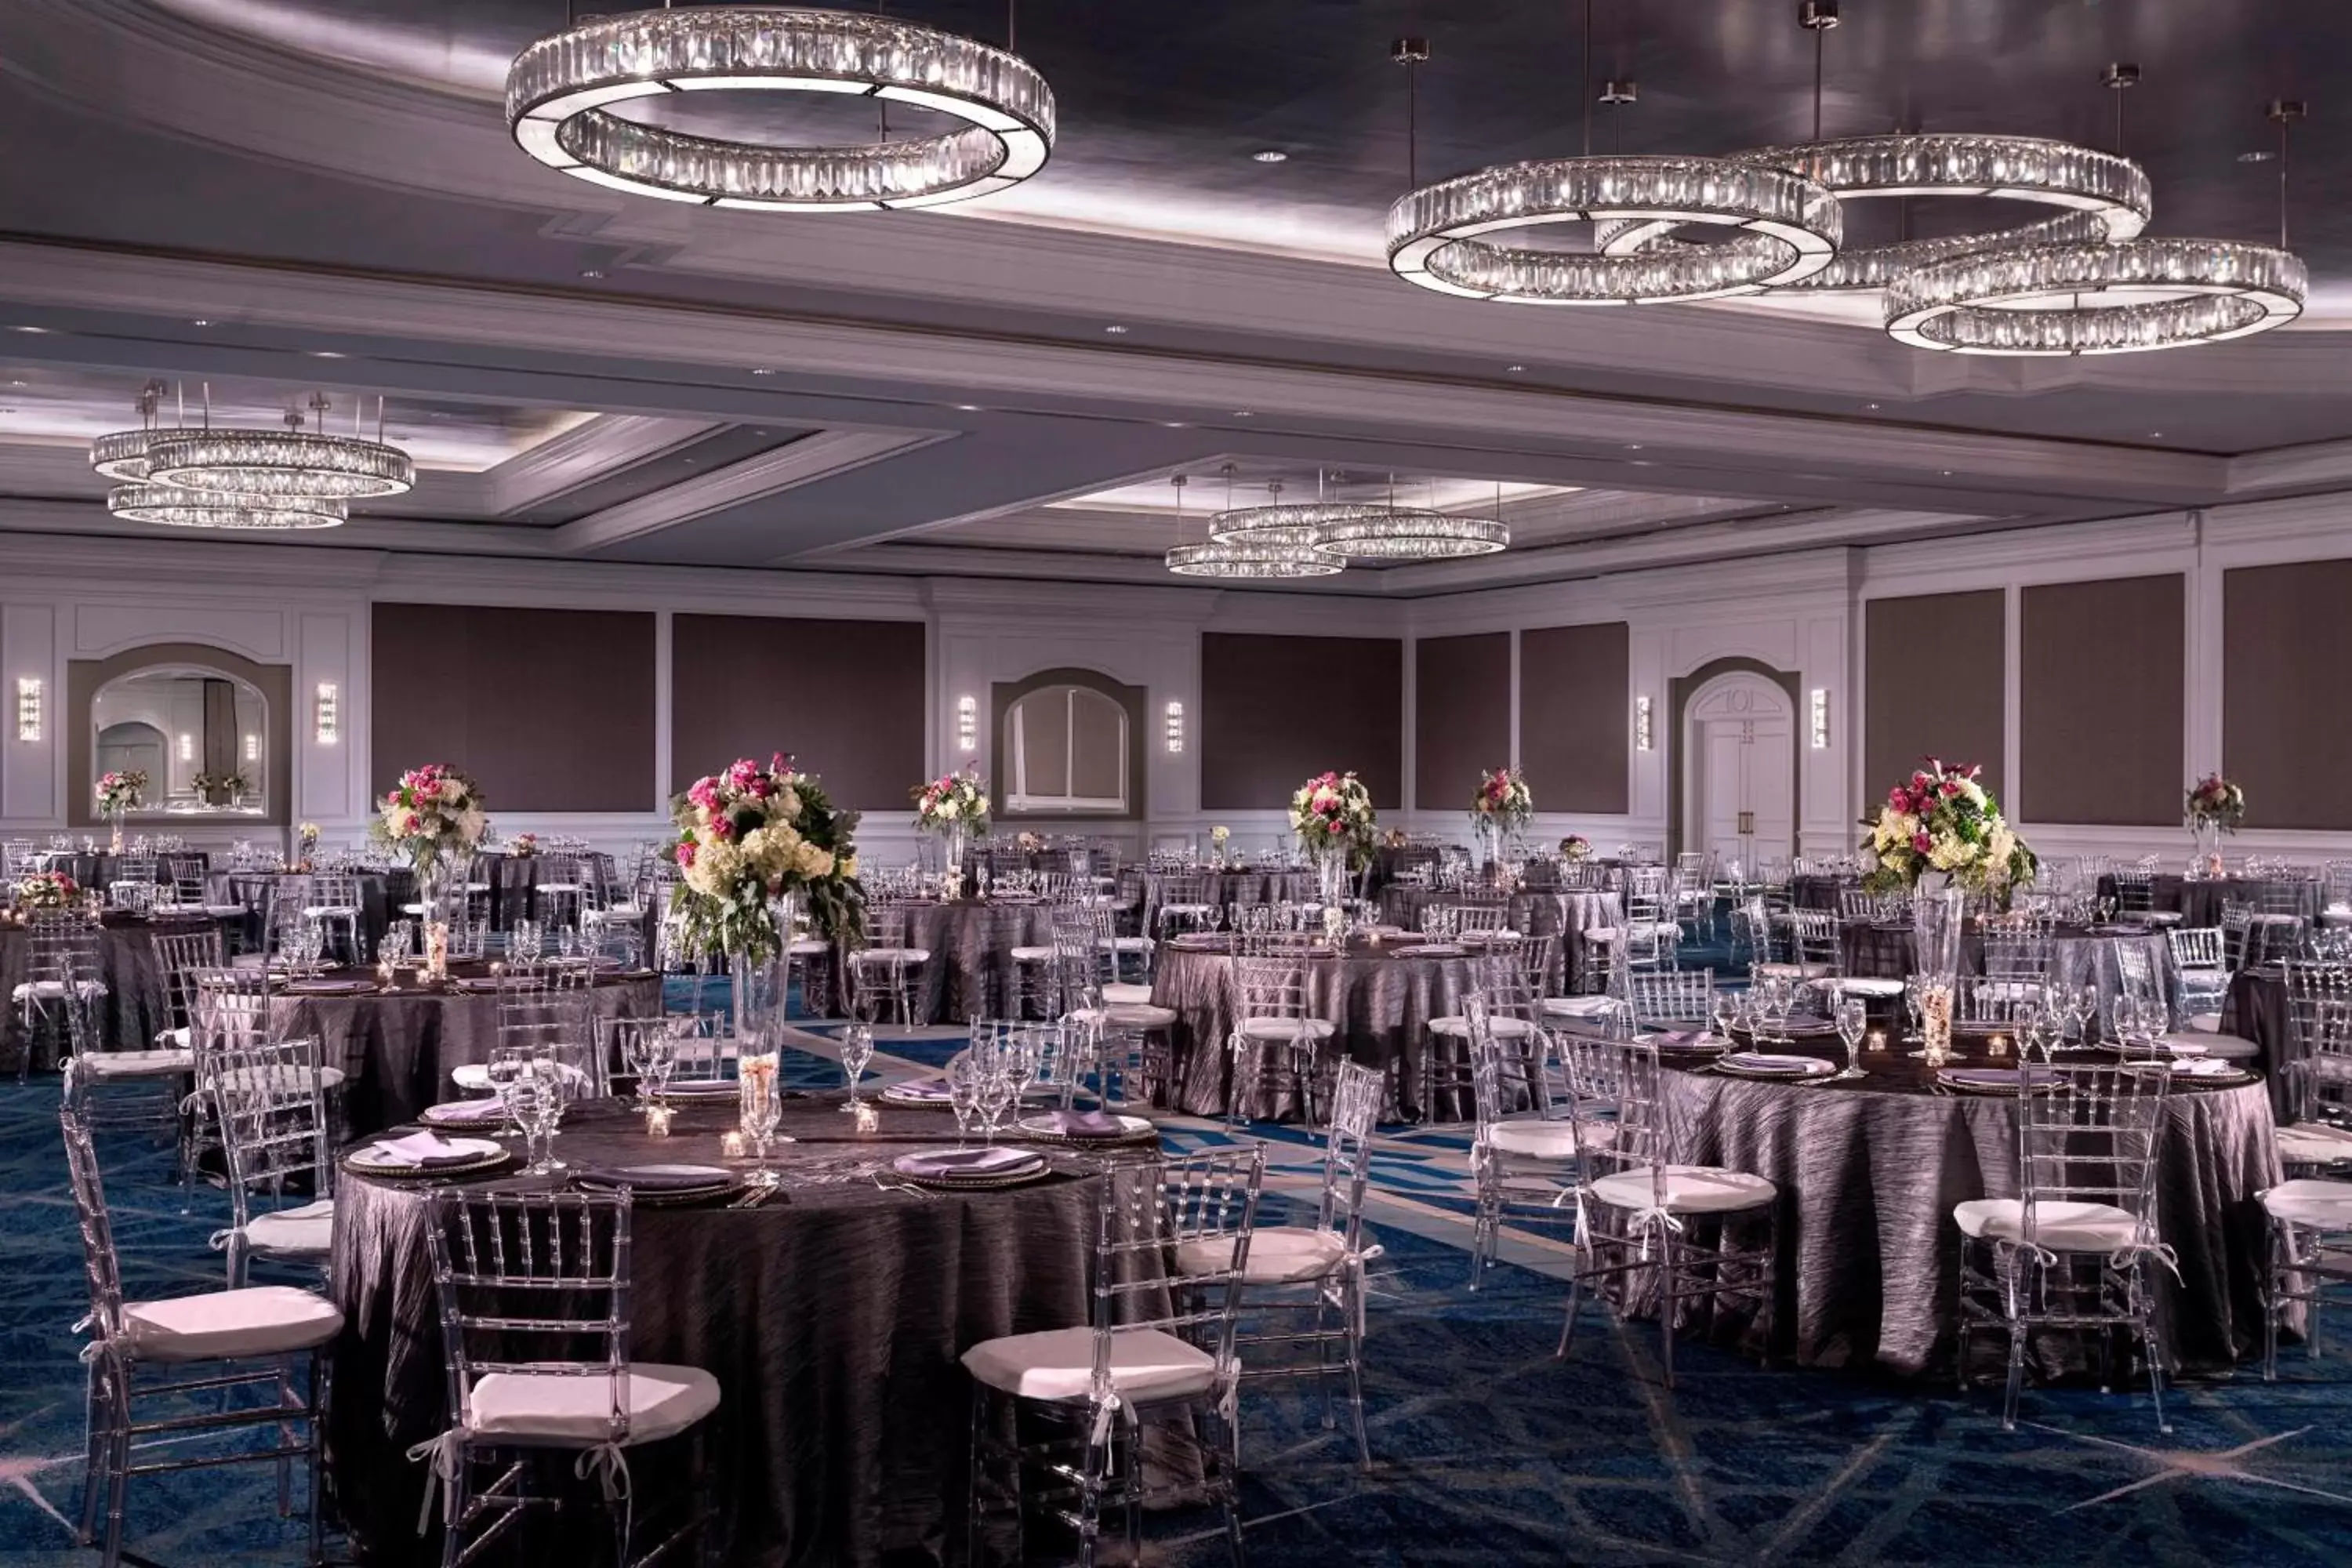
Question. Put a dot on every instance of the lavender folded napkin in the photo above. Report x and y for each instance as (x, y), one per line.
(427, 1150)
(1085, 1124)
(469, 1111)
(991, 1162)
(1766, 1062)
(1673, 1038)
(920, 1089)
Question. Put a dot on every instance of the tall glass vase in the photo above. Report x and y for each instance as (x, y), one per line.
(114, 821)
(1937, 918)
(2205, 849)
(441, 895)
(951, 853)
(761, 984)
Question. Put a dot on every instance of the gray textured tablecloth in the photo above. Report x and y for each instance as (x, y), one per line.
(2080, 958)
(1381, 1003)
(832, 1322)
(2200, 902)
(1814, 892)
(969, 973)
(399, 1049)
(380, 895)
(1560, 913)
(1869, 1256)
(2256, 1010)
(135, 1009)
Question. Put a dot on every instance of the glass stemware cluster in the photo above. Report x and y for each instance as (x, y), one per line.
(534, 1085)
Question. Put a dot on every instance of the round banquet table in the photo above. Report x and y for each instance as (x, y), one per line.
(832, 1316)
(398, 1049)
(1562, 914)
(136, 1008)
(1869, 1173)
(97, 868)
(970, 941)
(2079, 955)
(1241, 886)
(1812, 890)
(2199, 899)
(1381, 996)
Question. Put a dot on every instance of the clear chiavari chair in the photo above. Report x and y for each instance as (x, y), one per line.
(1183, 905)
(1275, 1037)
(1513, 1007)
(1676, 999)
(2319, 1074)
(1129, 1043)
(65, 973)
(332, 904)
(2020, 960)
(1812, 947)
(559, 889)
(2072, 1250)
(2204, 977)
(535, 1293)
(1643, 1220)
(883, 966)
(1652, 932)
(271, 1109)
(2136, 894)
(1313, 1275)
(1158, 1355)
(1522, 1143)
(558, 1026)
(1984, 1005)
(2307, 1255)
(164, 1374)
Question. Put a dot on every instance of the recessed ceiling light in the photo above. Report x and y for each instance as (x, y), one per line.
(1948, 473)
(1873, 405)
(2156, 434)
(1515, 369)
(592, 272)
(200, 322)
(1632, 446)
(1270, 155)
(1242, 414)
(28, 329)
(1165, 423)
(324, 353)
(967, 408)
(2256, 157)
(763, 369)
(1115, 330)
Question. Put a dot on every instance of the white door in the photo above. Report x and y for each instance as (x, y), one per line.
(1739, 782)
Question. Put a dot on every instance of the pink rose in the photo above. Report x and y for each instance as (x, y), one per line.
(1897, 799)
(686, 854)
(1921, 842)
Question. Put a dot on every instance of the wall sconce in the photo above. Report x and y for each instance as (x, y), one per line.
(1642, 738)
(253, 748)
(329, 726)
(187, 748)
(967, 724)
(29, 709)
(1175, 729)
(1821, 719)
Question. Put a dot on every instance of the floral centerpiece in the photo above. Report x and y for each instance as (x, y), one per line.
(1028, 843)
(2216, 805)
(753, 843)
(46, 890)
(219, 789)
(1502, 806)
(523, 846)
(953, 806)
(1219, 836)
(1576, 847)
(1332, 815)
(117, 793)
(434, 816)
(1943, 820)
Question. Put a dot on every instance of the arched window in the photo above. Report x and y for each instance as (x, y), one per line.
(1067, 751)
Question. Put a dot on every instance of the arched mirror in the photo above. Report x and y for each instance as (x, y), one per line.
(201, 736)
(1067, 753)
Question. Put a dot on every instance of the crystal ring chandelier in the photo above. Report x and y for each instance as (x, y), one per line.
(280, 463)
(2107, 197)
(1363, 531)
(1435, 234)
(1274, 550)
(176, 508)
(2139, 295)
(560, 91)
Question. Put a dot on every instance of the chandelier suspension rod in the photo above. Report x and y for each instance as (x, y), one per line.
(1587, 77)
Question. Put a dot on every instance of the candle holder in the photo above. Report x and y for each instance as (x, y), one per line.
(657, 1123)
(1877, 1041)
(1935, 1022)
(730, 1145)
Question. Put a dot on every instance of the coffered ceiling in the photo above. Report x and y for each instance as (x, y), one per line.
(256, 194)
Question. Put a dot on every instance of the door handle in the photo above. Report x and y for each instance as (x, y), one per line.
(1747, 822)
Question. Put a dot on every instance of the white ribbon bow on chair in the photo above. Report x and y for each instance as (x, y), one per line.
(1648, 1222)
(611, 1468)
(442, 1455)
(1354, 1264)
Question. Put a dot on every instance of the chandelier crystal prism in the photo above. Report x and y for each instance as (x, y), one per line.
(2067, 300)
(278, 464)
(176, 507)
(560, 91)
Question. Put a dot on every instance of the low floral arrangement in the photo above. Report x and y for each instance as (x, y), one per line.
(218, 783)
(1576, 847)
(1333, 812)
(1221, 836)
(750, 834)
(1396, 838)
(955, 801)
(2215, 802)
(1942, 819)
(432, 811)
(308, 833)
(1028, 843)
(120, 792)
(523, 846)
(1503, 799)
(46, 890)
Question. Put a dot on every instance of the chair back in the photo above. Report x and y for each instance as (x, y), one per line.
(537, 1284)
(1348, 1151)
(1501, 981)
(102, 1270)
(1813, 938)
(1618, 1085)
(2135, 890)
(273, 1118)
(181, 955)
(1150, 1209)
(2195, 947)
(1269, 988)
(2018, 954)
(557, 1026)
(2089, 1133)
(1667, 998)
(2319, 1021)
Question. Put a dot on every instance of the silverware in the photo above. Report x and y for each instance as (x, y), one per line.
(754, 1198)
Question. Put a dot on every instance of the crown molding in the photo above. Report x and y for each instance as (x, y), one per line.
(584, 454)
(812, 457)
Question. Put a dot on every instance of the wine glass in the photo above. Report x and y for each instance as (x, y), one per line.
(1913, 990)
(997, 1089)
(965, 1075)
(505, 1069)
(653, 1055)
(2081, 1006)
(856, 1050)
(1850, 1025)
(1727, 1013)
(553, 1081)
(524, 940)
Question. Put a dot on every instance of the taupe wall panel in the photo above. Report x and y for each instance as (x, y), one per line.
(1935, 666)
(1576, 711)
(548, 710)
(2100, 704)
(843, 698)
(2286, 710)
(1276, 710)
(1462, 716)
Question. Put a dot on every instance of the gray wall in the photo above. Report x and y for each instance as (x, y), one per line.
(1276, 710)
(1576, 716)
(843, 699)
(1462, 711)
(1935, 666)
(2101, 701)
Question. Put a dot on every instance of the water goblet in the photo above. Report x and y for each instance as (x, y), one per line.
(1727, 1013)
(1850, 1025)
(856, 1050)
(997, 1089)
(965, 1076)
(1914, 991)
(2082, 1004)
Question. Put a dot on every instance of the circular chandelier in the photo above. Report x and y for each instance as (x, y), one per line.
(560, 90)
(2107, 197)
(123, 454)
(277, 464)
(1270, 552)
(176, 508)
(1790, 228)
(2139, 295)
(1362, 531)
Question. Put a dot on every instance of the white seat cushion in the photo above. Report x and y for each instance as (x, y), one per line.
(1278, 1255)
(1598, 934)
(1127, 1016)
(2276, 919)
(1033, 954)
(807, 946)
(907, 955)
(55, 990)
(1653, 928)
(1126, 994)
(173, 1040)
(561, 1410)
(2010, 990)
(1187, 909)
(2314, 1143)
(134, 1063)
(1058, 1364)
(305, 1232)
(282, 1079)
(1797, 971)
(2305, 1201)
(226, 911)
(1869, 986)
(1690, 1189)
(2161, 917)
(2206, 1023)
(1287, 1028)
(266, 1320)
(1125, 944)
(1501, 1025)
(2060, 1226)
(1550, 1140)
(1579, 1007)
(329, 911)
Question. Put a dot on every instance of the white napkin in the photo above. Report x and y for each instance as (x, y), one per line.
(470, 1111)
(966, 1161)
(420, 1149)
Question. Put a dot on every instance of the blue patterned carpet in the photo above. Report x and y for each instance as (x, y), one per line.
(1489, 1452)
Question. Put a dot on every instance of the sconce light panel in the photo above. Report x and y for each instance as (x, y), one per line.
(328, 715)
(967, 724)
(29, 709)
(1175, 729)
(1644, 739)
(1821, 719)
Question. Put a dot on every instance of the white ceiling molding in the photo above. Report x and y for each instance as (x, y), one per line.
(810, 458)
(585, 454)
